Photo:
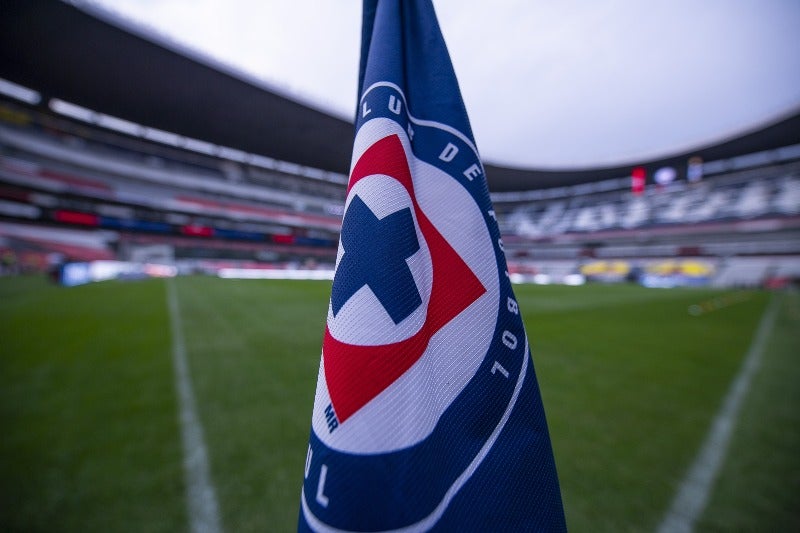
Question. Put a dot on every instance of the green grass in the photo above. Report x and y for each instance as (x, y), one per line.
(87, 409)
(255, 350)
(759, 487)
(630, 380)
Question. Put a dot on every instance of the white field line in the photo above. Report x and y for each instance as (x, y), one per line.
(693, 493)
(201, 500)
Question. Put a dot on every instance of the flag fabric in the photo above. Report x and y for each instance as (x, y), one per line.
(427, 414)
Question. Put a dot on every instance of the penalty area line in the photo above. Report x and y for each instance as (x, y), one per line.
(693, 492)
(201, 499)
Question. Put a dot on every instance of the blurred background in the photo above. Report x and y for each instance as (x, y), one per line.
(621, 143)
(626, 145)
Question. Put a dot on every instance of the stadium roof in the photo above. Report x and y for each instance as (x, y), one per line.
(95, 59)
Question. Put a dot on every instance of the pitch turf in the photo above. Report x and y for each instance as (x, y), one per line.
(90, 441)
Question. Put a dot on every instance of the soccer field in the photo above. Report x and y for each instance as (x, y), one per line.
(631, 381)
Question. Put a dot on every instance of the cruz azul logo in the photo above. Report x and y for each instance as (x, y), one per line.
(424, 352)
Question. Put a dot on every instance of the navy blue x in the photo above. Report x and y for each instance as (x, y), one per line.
(375, 253)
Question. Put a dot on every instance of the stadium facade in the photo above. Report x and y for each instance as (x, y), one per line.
(118, 144)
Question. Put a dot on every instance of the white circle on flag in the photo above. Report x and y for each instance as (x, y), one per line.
(363, 320)
(407, 411)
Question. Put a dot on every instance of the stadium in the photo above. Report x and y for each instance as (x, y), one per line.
(643, 287)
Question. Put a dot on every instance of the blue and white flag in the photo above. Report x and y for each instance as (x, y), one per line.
(427, 413)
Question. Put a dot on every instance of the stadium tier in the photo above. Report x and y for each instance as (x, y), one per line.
(84, 192)
(123, 194)
(769, 192)
(742, 221)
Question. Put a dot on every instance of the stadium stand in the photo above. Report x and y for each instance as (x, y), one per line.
(745, 223)
(58, 171)
(766, 192)
(127, 193)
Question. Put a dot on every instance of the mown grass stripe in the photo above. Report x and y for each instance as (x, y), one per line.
(201, 498)
(693, 493)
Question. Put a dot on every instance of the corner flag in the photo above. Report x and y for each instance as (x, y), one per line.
(427, 414)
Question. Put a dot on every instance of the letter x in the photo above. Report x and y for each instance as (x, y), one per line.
(375, 253)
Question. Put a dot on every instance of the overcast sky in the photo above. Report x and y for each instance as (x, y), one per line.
(566, 84)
